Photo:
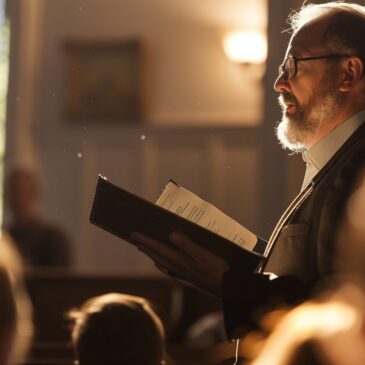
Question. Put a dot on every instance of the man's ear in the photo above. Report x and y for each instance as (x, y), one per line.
(352, 69)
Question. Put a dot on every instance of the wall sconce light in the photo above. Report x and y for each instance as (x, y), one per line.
(246, 47)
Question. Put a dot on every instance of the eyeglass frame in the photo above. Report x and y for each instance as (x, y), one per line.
(298, 59)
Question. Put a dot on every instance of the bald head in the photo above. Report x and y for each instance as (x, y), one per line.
(340, 27)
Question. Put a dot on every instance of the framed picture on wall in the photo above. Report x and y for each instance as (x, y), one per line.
(104, 80)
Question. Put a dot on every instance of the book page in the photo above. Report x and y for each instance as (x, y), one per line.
(189, 206)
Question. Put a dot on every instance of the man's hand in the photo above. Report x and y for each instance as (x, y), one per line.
(185, 260)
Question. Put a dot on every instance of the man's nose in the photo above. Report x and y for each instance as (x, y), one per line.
(281, 85)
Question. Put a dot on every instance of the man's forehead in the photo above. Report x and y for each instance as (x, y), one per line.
(310, 37)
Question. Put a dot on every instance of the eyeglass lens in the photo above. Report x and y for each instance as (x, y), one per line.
(288, 68)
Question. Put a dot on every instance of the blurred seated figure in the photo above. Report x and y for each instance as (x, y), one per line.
(15, 309)
(41, 243)
(117, 329)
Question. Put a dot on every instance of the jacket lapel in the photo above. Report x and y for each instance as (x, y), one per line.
(357, 136)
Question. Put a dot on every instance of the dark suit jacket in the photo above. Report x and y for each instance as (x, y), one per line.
(302, 250)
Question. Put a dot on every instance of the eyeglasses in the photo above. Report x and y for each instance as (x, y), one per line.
(288, 69)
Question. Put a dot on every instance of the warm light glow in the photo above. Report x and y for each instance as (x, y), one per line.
(308, 321)
(246, 47)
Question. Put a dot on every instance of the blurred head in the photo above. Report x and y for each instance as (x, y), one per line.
(22, 190)
(117, 329)
(15, 309)
(321, 80)
(326, 331)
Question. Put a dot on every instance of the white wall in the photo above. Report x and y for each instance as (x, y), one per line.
(202, 126)
(188, 79)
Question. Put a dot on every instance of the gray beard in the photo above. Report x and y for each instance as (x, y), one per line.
(296, 130)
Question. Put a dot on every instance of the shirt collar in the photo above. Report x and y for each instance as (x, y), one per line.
(319, 154)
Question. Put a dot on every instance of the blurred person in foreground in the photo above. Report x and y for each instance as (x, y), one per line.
(40, 243)
(15, 309)
(325, 331)
(321, 89)
(117, 329)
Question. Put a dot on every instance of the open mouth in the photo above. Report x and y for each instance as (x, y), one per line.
(287, 103)
(289, 108)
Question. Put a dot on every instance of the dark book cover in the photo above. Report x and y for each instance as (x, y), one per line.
(121, 213)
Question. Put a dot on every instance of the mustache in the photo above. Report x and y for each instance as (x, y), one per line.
(287, 98)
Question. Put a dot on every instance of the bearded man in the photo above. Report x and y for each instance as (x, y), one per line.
(321, 89)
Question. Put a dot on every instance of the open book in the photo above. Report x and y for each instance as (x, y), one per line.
(186, 204)
(177, 209)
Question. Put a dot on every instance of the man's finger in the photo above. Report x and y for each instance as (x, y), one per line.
(160, 263)
(180, 240)
(156, 257)
(146, 240)
(184, 243)
(161, 253)
(153, 245)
